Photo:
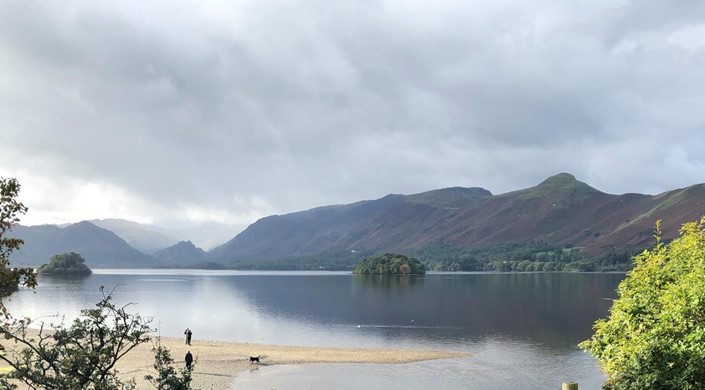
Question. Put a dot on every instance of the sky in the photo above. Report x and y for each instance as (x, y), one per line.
(183, 113)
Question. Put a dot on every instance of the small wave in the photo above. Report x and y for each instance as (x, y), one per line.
(162, 280)
(408, 326)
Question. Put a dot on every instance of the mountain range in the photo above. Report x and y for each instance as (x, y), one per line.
(100, 247)
(560, 212)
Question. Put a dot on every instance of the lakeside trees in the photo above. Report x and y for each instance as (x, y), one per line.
(389, 264)
(534, 256)
(83, 356)
(654, 337)
(80, 356)
(65, 264)
(10, 209)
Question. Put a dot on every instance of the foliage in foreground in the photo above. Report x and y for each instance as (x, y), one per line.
(81, 356)
(654, 337)
(168, 377)
(65, 264)
(389, 264)
(10, 208)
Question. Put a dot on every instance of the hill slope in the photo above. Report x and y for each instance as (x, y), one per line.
(138, 236)
(183, 253)
(561, 212)
(99, 247)
(362, 225)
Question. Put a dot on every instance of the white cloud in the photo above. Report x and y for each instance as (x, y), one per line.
(690, 38)
(225, 111)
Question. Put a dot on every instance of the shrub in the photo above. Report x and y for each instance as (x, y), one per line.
(654, 337)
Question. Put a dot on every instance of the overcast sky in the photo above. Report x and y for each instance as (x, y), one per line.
(180, 113)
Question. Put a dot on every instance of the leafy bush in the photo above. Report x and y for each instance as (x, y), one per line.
(81, 356)
(168, 377)
(84, 354)
(10, 209)
(654, 337)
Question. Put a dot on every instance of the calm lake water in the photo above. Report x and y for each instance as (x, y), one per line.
(522, 329)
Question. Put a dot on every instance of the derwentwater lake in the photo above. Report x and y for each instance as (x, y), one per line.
(521, 329)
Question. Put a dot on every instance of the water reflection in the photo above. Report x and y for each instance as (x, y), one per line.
(521, 328)
(552, 310)
(496, 364)
(390, 283)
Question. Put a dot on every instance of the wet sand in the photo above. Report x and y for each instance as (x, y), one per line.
(217, 363)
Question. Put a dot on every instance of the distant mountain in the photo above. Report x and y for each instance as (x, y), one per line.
(560, 220)
(207, 235)
(98, 246)
(152, 238)
(367, 225)
(561, 211)
(182, 254)
(145, 238)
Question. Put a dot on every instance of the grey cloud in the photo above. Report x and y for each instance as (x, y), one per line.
(310, 103)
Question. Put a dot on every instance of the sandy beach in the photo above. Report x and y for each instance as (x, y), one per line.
(217, 363)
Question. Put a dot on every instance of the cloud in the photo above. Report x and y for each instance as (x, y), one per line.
(228, 111)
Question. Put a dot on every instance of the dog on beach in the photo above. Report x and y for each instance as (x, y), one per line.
(254, 359)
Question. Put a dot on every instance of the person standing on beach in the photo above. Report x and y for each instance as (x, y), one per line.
(189, 360)
(188, 334)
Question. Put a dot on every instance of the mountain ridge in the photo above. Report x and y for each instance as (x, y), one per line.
(99, 247)
(558, 214)
(561, 211)
(137, 235)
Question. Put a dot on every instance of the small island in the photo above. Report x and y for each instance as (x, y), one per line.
(65, 264)
(390, 264)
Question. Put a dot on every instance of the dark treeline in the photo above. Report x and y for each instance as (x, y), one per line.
(330, 261)
(530, 257)
(535, 256)
(389, 264)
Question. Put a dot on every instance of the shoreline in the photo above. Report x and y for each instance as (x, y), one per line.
(218, 363)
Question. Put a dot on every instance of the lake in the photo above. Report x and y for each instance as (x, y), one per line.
(521, 328)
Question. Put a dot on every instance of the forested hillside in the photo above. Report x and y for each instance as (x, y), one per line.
(559, 224)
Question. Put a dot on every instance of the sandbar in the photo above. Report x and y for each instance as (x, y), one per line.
(217, 363)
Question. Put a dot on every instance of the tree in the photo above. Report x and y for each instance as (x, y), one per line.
(167, 377)
(654, 337)
(81, 356)
(10, 208)
(65, 264)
